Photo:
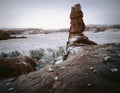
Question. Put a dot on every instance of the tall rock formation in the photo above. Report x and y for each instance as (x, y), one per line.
(77, 24)
(76, 36)
(76, 39)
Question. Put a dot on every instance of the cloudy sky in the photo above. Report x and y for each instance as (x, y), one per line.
(52, 14)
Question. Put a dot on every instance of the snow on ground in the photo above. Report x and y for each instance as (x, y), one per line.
(54, 40)
(108, 36)
(75, 50)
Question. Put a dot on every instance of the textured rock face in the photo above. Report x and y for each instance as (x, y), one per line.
(76, 36)
(77, 24)
(97, 71)
(10, 67)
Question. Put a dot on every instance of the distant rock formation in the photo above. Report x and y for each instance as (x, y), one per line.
(76, 36)
(4, 35)
(11, 67)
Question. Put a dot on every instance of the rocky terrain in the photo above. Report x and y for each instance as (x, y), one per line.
(96, 70)
(87, 67)
(5, 35)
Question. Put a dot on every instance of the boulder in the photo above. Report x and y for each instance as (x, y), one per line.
(11, 67)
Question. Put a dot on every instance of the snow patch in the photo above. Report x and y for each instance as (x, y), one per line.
(59, 60)
(56, 77)
(50, 69)
(74, 38)
(107, 58)
(114, 69)
(91, 68)
(61, 68)
(74, 49)
(89, 84)
(12, 88)
(22, 63)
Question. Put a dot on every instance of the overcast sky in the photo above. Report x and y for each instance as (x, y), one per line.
(52, 14)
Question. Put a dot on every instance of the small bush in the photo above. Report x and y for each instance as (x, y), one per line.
(10, 54)
(46, 57)
(37, 54)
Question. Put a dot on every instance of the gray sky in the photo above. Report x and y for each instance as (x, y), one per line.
(52, 14)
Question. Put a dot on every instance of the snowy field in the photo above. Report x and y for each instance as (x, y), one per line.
(54, 40)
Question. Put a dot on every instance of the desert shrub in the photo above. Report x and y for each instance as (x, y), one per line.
(10, 54)
(37, 54)
(46, 57)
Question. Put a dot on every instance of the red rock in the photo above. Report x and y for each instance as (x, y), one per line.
(76, 77)
(77, 27)
(10, 67)
(77, 24)
(4, 35)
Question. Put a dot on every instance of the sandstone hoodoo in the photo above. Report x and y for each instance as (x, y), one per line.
(76, 36)
(77, 24)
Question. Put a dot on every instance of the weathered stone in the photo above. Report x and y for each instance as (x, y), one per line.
(10, 67)
(77, 24)
(77, 77)
(76, 28)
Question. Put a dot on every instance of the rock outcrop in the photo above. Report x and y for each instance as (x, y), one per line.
(4, 35)
(77, 24)
(11, 67)
(76, 36)
(97, 71)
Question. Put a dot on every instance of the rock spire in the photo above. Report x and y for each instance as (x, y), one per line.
(77, 24)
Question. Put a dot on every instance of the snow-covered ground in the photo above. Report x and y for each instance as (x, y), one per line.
(54, 40)
(108, 36)
(36, 41)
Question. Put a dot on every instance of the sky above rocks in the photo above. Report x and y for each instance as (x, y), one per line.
(54, 14)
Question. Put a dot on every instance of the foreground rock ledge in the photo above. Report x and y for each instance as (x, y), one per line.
(96, 71)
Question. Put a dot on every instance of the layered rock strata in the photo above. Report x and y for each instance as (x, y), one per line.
(77, 24)
(76, 36)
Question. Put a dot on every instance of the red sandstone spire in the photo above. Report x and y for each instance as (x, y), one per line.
(77, 24)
